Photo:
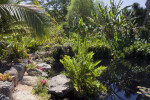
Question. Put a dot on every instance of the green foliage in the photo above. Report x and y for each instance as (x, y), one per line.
(140, 49)
(139, 13)
(31, 66)
(13, 47)
(49, 60)
(7, 1)
(113, 23)
(41, 89)
(78, 9)
(57, 8)
(83, 72)
(101, 49)
(32, 44)
(59, 51)
(30, 19)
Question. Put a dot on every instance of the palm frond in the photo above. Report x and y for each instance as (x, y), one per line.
(25, 16)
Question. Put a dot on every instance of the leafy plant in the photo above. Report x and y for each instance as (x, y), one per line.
(83, 72)
(59, 51)
(138, 50)
(23, 16)
(5, 77)
(41, 88)
(101, 49)
(31, 65)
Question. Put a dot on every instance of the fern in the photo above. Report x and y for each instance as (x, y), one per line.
(83, 72)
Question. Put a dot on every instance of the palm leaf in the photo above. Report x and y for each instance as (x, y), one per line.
(25, 16)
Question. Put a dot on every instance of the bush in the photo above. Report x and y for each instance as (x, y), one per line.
(138, 50)
(60, 50)
(100, 49)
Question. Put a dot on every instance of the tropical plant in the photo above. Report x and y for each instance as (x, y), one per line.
(83, 72)
(139, 49)
(18, 21)
(101, 49)
(112, 22)
(16, 15)
(41, 88)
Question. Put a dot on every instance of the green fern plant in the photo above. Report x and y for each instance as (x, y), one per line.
(83, 72)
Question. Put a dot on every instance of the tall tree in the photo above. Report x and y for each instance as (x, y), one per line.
(57, 8)
(139, 13)
(78, 9)
(148, 11)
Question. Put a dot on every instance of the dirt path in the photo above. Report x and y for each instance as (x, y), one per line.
(23, 91)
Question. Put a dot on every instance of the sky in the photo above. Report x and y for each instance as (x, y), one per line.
(128, 2)
(125, 2)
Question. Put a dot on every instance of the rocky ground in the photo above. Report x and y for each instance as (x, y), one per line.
(23, 91)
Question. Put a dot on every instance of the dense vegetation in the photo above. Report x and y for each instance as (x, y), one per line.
(75, 33)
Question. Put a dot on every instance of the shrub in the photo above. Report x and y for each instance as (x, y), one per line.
(49, 60)
(138, 50)
(83, 72)
(60, 50)
(100, 49)
(32, 44)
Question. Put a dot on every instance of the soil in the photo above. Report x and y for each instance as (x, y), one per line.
(23, 91)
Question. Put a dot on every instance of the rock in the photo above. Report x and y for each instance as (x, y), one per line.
(16, 72)
(42, 53)
(24, 61)
(3, 97)
(60, 85)
(46, 67)
(38, 60)
(21, 68)
(32, 72)
(6, 88)
(42, 73)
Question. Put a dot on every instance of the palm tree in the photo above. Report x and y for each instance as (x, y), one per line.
(18, 20)
(25, 16)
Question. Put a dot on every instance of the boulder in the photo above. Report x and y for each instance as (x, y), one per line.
(38, 60)
(6, 88)
(24, 61)
(42, 73)
(21, 68)
(16, 72)
(60, 85)
(3, 97)
(34, 72)
(42, 54)
(45, 67)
